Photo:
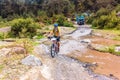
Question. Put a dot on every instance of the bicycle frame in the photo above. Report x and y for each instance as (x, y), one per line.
(54, 46)
(54, 41)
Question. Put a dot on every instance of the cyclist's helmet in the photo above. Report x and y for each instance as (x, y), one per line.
(55, 25)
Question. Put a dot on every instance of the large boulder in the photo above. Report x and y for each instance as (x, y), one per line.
(31, 60)
(18, 50)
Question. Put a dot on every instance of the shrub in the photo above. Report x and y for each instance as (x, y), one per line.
(11, 17)
(118, 26)
(117, 8)
(110, 25)
(27, 15)
(95, 23)
(105, 20)
(59, 19)
(24, 28)
(90, 19)
(41, 13)
(27, 44)
(102, 11)
(43, 19)
(1, 36)
(111, 49)
(68, 24)
(39, 36)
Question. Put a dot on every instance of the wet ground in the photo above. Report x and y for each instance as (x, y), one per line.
(63, 67)
(102, 41)
(106, 63)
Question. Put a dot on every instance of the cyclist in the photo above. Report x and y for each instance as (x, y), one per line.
(56, 33)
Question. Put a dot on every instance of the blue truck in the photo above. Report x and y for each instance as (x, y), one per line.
(80, 20)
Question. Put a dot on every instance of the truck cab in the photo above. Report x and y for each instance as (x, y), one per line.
(80, 20)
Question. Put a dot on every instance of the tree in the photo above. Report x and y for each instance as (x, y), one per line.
(57, 7)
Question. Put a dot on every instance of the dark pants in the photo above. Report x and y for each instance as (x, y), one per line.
(58, 38)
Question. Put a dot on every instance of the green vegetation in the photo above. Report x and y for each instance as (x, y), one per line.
(1, 67)
(3, 35)
(106, 31)
(39, 36)
(3, 24)
(117, 38)
(109, 49)
(62, 21)
(32, 8)
(24, 28)
(105, 19)
(68, 24)
(112, 34)
(27, 44)
(27, 16)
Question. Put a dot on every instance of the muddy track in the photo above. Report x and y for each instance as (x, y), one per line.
(63, 67)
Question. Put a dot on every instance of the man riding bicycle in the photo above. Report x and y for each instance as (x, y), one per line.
(56, 34)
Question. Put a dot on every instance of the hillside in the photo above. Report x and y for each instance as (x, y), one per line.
(10, 8)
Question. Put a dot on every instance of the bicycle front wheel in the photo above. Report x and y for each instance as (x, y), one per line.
(53, 52)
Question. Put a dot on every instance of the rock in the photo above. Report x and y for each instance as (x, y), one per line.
(98, 47)
(117, 49)
(94, 64)
(118, 14)
(5, 29)
(86, 65)
(4, 51)
(89, 56)
(69, 46)
(42, 49)
(85, 41)
(4, 43)
(35, 37)
(18, 50)
(33, 74)
(31, 60)
(97, 34)
(111, 75)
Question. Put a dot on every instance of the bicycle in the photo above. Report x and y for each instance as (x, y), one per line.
(54, 46)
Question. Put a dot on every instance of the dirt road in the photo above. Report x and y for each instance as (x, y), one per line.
(63, 67)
